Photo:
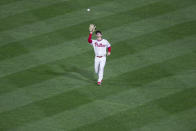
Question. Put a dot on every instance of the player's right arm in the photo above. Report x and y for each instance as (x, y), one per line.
(90, 38)
(92, 28)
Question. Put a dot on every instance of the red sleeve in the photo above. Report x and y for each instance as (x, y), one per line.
(109, 49)
(89, 38)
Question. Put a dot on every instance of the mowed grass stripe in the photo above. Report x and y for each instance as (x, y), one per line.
(83, 115)
(70, 19)
(62, 72)
(63, 69)
(58, 37)
(144, 114)
(70, 6)
(57, 52)
(23, 5)
(184, 121)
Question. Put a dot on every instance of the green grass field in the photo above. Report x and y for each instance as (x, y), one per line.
(47, 79)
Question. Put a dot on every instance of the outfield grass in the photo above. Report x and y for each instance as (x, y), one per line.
(47, 80)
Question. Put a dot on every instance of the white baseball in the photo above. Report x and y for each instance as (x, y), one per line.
(88, 9)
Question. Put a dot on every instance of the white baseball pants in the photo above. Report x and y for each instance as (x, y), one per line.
(99, 67)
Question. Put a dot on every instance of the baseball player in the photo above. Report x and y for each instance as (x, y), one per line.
(100, 45)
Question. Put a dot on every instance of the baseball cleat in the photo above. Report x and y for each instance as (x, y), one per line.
(99, 83)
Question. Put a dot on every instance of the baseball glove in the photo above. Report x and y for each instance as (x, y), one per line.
(92, 28)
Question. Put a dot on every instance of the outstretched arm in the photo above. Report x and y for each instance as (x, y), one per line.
(89, 38)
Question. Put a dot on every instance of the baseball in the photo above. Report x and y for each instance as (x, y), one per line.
(88, 9)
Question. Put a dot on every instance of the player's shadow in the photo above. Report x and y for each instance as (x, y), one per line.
(72, 71)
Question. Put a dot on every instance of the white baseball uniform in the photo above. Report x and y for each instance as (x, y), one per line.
(100, 55)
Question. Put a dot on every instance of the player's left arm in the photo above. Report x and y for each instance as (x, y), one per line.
(109, 48)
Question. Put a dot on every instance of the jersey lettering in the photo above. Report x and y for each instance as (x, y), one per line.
(99, 45)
